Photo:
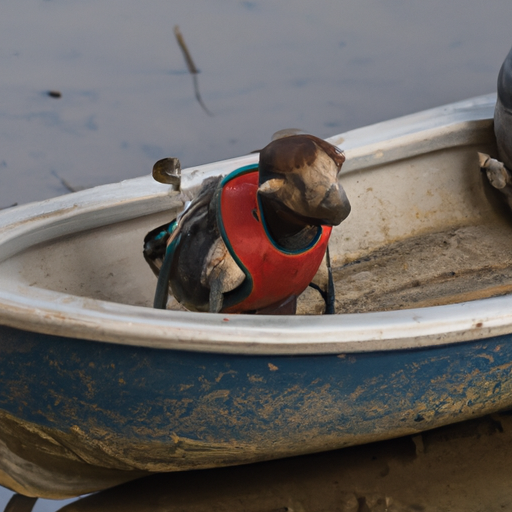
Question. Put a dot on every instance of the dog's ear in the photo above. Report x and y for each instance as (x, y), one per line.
(333, 152)
(272, 188)
(286, 155)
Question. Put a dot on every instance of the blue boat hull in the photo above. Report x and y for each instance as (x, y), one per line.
(115, 412)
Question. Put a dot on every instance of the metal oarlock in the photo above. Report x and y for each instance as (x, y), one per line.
(168, 170)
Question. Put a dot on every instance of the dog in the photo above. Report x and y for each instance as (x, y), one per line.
(252, 241)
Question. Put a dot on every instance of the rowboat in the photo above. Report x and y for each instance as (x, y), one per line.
(98, 388)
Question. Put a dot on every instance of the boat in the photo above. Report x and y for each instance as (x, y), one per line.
(98, 388)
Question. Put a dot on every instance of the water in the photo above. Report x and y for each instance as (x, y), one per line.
(127, 98)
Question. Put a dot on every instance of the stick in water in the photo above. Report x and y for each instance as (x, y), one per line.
(191, 67)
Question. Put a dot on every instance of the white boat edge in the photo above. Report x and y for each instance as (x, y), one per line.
(38, 310)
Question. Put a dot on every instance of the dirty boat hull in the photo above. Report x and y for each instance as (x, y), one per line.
(98, 388)
(96, 414)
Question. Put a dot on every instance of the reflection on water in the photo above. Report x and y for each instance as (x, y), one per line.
(123, 96)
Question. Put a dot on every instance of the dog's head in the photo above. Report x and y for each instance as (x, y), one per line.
(298, 174)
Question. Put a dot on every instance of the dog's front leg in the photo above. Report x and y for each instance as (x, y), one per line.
(221, 274)
(324, 284)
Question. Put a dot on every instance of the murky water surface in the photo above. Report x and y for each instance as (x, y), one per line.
(127, 98)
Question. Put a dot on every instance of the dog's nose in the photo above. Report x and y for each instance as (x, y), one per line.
(335, 205)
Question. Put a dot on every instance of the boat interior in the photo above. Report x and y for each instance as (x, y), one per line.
(426, 229)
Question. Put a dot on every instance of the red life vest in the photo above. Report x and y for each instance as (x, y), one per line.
(272, 273)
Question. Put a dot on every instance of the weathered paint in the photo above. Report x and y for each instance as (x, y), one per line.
(111, 412)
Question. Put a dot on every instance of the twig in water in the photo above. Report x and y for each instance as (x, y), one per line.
(66, 185)
(188, 58)
(191, 67)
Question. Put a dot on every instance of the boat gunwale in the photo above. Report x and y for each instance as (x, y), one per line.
(55, 313)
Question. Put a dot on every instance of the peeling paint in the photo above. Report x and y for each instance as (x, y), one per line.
(157, 410)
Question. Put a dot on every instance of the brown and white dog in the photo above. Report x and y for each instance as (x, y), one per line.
(251, 242)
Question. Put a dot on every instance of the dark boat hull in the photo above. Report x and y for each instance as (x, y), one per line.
(108, 413)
